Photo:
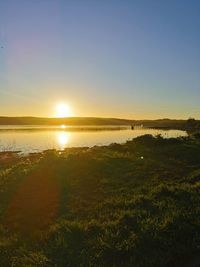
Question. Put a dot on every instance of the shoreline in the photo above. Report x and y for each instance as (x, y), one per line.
(143, 190)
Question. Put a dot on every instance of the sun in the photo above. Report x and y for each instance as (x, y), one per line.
(63, 110)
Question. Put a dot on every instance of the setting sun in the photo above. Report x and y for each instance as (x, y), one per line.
(63, 110)
(99, 133)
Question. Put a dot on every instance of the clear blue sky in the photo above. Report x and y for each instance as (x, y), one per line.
(134, 59)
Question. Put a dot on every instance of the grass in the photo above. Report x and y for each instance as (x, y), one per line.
(135, 204)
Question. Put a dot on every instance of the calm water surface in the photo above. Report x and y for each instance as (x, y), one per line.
(37, 138)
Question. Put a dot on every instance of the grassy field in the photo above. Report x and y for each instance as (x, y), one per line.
(135, 204)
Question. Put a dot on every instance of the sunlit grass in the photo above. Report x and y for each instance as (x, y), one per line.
(135, 204)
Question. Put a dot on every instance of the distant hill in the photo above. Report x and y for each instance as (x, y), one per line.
(67, 121)
(161, 123)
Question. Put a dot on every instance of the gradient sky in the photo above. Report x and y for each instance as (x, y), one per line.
(128, 59)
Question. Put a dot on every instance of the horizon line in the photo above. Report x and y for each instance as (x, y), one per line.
(91, 117)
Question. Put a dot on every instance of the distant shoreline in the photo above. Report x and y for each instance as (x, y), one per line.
(86, 121)
(68, 128)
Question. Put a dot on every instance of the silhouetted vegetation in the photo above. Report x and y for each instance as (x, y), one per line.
(193, 126)
(135, 204)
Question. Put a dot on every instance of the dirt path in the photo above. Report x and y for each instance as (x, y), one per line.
(35, 204)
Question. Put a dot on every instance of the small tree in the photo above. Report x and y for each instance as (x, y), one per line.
(191, 123)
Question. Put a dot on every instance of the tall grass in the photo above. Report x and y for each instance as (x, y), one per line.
(135, 204)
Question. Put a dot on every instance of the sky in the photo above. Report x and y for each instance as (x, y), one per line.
(137, 59)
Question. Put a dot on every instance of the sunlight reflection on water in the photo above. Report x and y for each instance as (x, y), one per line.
(38, 139)
(62, 139)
